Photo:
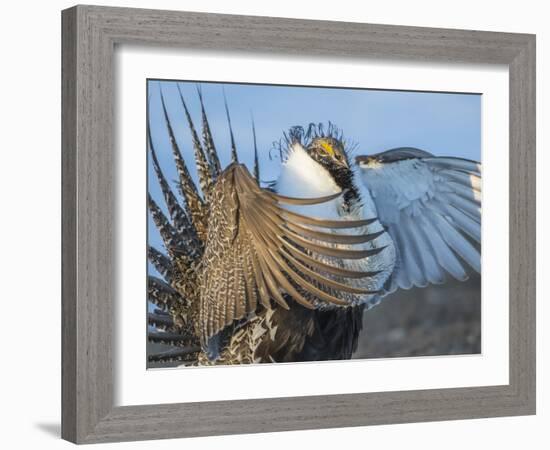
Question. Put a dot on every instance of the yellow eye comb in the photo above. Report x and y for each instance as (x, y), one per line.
(327, 147)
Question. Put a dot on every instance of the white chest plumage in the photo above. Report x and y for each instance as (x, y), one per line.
(303, 177)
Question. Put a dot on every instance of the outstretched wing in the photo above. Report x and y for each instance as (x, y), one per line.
(431, 207)
(257, 251)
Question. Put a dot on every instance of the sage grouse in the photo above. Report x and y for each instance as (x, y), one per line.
(284, 272)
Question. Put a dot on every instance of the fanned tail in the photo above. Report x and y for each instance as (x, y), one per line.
(183, 234)
(183, 228)
(178, 215)
(195, 205)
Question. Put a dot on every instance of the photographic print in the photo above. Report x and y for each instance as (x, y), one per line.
(292, 224)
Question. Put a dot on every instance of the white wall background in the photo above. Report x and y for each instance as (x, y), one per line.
(31, 209)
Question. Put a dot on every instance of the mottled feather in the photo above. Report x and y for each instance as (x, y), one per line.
(248, 234)
(195, 205)
(208, 140)
(203, 166)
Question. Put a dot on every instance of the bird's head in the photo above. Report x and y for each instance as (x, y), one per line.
(325, 144)
(330, 153)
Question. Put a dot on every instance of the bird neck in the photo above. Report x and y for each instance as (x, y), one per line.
(343, 177)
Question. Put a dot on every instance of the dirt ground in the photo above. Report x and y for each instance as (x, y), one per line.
(437, 320)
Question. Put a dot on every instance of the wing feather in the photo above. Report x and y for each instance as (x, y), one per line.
(401, 275)
(459, 219)
(465, 192)
(457, 242)
(444, 255)
(469, 180)
(257, 252)
(454, 163)
(432, 209)
(433, 271)
(464, 205)
(414, 263)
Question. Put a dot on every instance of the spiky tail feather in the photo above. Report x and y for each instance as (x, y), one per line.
(203, 166)
(194, 203)
(208, 141)
(183, 233)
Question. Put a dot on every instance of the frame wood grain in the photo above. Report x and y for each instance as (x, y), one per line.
(90, 34)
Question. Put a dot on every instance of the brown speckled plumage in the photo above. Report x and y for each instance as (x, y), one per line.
(245, 279)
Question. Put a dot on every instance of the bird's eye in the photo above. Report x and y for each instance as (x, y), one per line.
(327, 148)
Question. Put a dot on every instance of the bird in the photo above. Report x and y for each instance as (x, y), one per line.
(283, 271)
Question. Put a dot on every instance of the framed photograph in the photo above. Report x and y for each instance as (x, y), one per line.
(266, 230)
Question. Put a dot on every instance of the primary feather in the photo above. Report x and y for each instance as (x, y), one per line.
(432, 209)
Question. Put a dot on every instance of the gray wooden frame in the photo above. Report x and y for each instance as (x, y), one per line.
(90, 34)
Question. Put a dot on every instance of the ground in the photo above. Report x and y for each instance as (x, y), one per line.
(437, 320)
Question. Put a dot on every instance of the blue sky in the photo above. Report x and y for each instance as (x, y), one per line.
(375, 120)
